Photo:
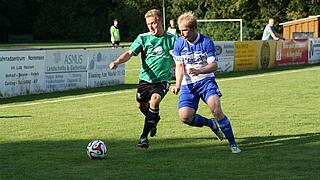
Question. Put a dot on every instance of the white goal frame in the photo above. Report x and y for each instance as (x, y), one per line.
(224, 20)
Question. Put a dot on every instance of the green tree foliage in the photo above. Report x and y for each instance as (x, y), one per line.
(88, 20)
(82, 20)
(255, 14)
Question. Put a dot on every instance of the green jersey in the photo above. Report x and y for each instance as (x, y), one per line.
(155, 55)
(115, 34)
(172, 30)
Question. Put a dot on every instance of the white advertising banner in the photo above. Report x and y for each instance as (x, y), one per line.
(21, 72)
(225, 54)
(65, 69)
(314, 51)
(99, 73)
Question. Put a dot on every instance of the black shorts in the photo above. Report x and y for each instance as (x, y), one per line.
(116, 43)
(146, 89)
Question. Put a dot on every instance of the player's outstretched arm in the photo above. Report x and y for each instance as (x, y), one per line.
(124, 57)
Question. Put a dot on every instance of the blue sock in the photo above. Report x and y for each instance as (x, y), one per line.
(227, 129)
(200, 121)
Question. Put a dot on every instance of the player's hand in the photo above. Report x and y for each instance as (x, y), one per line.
(194, 72)
(113, 66)
(175, 90)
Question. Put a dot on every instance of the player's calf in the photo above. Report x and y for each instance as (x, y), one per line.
(217, 130)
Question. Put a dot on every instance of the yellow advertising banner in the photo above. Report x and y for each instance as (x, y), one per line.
(245, 56)
(266, 54)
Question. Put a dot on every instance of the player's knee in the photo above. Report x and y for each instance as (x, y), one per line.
(155, 100)
(185, 118)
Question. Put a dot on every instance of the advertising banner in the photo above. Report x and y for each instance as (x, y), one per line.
(266, 54)
(21, 72)
(245, 56)
(65, 69)
(225, 54)
(314, 51)
(99, 73)
(292, 52)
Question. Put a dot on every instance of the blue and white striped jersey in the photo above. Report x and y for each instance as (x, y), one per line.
(196, 55)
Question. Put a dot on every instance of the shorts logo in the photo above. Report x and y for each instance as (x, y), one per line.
(138, 96)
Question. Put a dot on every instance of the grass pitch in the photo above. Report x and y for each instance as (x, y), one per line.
(275, 116)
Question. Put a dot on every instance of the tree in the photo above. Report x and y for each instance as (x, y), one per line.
(87, 20)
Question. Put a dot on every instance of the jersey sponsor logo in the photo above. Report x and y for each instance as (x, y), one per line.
(194, 58)
(158, 50)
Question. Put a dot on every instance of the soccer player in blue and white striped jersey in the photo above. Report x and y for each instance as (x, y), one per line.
(195, 59)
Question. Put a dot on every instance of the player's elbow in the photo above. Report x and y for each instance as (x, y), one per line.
(213, 67)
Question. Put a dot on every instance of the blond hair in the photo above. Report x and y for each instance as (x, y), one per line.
(189, 19)
(153, 13)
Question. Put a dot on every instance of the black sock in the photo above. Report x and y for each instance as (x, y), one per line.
(150, 121)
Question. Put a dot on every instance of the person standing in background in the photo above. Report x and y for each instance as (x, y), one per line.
(115, 34)
(270, 33)
(172, 28)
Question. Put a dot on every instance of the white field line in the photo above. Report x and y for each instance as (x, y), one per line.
(126, 91)
(268, 74)
(128, 70)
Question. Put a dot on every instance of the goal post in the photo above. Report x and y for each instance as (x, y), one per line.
(225, 20)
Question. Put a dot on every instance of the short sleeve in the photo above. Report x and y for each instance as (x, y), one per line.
(177, 51)
(137, 46)
(269, 29)
(211, 52)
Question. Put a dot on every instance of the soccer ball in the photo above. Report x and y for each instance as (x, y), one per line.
(97, 149)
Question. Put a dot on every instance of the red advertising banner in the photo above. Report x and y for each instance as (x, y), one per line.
(292, 52)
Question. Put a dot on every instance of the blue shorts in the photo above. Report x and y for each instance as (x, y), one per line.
(190, 94)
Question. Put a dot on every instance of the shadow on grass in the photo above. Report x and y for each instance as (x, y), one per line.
(292, 140)
(74, 92)
(173, 158)
(263, 71)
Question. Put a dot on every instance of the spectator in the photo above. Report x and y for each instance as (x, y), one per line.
(115, 34)
(173, 28)
(270, 33)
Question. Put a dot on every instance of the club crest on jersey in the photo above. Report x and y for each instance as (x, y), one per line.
(158, 50)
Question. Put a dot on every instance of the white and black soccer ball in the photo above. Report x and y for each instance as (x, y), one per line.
(97, 149)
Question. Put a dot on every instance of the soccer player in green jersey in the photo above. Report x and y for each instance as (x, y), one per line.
(155, 71)
(115, 34)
